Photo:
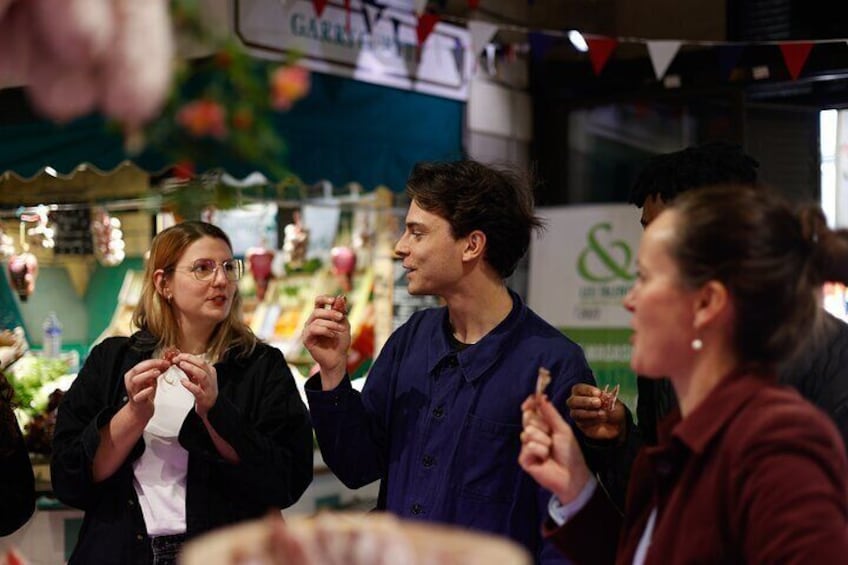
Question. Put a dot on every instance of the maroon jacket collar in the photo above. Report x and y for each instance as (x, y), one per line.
(716, 411)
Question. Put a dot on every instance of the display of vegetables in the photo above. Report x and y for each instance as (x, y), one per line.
(39, 384)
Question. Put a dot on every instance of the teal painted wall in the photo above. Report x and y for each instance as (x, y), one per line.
(54, 291)
(83, 317)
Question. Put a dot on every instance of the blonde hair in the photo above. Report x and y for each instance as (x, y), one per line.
(155, 315)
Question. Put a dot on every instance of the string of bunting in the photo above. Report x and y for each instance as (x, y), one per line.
(599, 48)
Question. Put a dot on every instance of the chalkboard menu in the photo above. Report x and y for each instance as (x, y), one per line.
(404, 304)
(72, 232)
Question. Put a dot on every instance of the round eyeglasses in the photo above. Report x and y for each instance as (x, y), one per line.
(206, 269)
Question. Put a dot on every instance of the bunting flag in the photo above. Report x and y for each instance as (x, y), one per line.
(662, 53)
(458, 54)
(319, 6)
(600, 49)
(426, 23)
(795, 56)
(481, 33)
(728, 58)
(373, 11)
(347, 15)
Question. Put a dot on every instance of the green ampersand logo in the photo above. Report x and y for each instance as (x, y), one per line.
(613, 269)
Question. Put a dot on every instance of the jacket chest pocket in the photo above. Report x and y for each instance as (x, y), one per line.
(488, 458)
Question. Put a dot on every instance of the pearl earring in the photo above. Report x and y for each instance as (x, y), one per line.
(697, 344)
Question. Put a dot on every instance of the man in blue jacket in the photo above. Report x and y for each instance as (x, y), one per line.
(439, 418)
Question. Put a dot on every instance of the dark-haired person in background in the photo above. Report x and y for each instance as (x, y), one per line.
(819, 371)
(744, 471)
(437, 420)
(17, 483)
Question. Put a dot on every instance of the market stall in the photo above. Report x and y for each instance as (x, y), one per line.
(333, 241)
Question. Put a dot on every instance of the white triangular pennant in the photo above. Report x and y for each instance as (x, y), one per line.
(372, 13)
(662, 53)
(481, 33)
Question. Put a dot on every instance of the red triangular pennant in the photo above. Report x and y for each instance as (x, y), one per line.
(426, 23)
(795, 56)
(347, 15)
(319, 6)
(600, 49)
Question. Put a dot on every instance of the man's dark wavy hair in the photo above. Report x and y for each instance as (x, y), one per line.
(713, 163)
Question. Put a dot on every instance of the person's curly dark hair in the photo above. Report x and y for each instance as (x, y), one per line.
(713, 163)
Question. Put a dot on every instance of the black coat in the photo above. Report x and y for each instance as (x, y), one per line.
(17, 484)
(820, 373)
(259, 412)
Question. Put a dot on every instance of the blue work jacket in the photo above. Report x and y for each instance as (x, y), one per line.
(440, 426)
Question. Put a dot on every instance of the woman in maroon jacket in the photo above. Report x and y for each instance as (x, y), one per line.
(745, 471)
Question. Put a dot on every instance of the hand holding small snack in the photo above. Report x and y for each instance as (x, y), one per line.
(609, 397)
(169, 353)
(339, 304)
(327, 338)
(542, 381)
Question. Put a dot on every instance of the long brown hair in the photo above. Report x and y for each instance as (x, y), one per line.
(156, 316)
(772, 258)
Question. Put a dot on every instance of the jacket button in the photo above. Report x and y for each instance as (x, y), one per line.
(452, 361)
(438, 412)
(139, 537)
(131, 502)
(428, 461)
(417, 509)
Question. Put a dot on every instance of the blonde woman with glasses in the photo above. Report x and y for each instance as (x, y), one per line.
(189, 424)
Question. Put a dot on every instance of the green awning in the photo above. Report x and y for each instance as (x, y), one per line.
(344, 131)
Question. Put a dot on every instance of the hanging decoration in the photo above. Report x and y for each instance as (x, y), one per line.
(42, 232)
(7, 244)
(728, 58)
(481, 34)
(107, 237)
(259, 261)
(295, 244)
(426, 23)
(343, 260)
(795, 55)
(662, 53)
(23, 268)
(600, 49)
(319, 6)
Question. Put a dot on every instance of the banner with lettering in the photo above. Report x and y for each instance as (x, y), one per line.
(376, 41)
(580, 270)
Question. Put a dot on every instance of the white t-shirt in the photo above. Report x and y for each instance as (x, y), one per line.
(160, 473)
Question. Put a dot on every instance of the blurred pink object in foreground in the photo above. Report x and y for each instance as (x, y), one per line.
(77, 56)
